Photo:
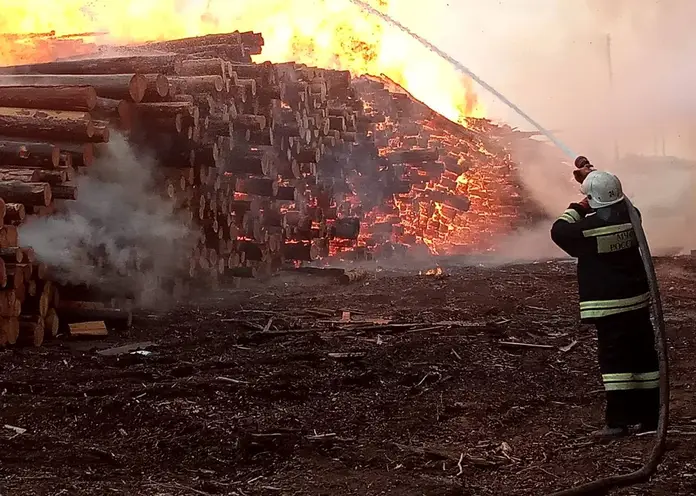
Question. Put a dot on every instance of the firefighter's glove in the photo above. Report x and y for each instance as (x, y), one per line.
(582, 207)
(581, 174)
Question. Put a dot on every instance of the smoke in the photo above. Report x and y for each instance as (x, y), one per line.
(119, 235)
(603, 76)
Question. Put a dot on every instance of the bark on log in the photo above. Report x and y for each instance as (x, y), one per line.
(3, 274)
(147, 64)
(53, 177)
(110, 108)
(81, 98)
(29, 153)
(264, 72)
(259, 186)
(202, 67)
(228, 52)
(250, 121)
(413, 156)
(252, 250)
(257, 162)
(117, 86)
(263, 137)
(460, 202)
(286, 193)
(64, 192)
(81, 154)
(308, 155)
(45, 124)
(346, 228)
(24, 175)
(197, 84)
(166, 109)
(35, 194)
(196, 41)
(11, 255)
(300, 251)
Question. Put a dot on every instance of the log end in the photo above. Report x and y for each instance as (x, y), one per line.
(219, 83)
(51, 323)
(47, 195)
(88, 154)
(90, 98)
(55, 154)
(162, 85)
(125, 113)
(137, 87)
(11, 330)
(90, 129)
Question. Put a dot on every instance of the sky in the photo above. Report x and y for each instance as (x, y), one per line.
(551, 58)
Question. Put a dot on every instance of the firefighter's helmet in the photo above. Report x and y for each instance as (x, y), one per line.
(602, 189)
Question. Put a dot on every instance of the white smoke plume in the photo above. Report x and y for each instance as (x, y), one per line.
(118, 220)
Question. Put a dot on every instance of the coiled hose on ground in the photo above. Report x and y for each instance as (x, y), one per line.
(603, 486)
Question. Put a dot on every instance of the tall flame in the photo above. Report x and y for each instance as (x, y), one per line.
(326, 33)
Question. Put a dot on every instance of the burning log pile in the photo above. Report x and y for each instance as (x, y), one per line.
(455, 187)
(269, 164)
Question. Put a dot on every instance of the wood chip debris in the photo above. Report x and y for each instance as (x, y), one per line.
(17, 430)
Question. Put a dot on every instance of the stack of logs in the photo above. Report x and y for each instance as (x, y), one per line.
(269, 164)
(458, 184)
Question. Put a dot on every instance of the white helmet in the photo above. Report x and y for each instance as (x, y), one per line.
(602, 189)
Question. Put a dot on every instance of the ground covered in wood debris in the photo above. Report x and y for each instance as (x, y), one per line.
(398, 384)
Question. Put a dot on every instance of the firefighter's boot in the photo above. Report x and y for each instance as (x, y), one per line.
(610, 432)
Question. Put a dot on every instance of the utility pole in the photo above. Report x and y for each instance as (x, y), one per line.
(610, 69)
(664, 145)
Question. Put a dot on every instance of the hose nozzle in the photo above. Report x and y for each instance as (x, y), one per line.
(582, 162)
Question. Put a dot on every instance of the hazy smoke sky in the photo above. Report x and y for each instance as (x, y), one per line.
(550, 57)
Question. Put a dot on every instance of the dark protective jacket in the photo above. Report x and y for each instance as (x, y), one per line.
(611, 276)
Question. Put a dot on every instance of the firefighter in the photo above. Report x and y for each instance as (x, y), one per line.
(614, 296)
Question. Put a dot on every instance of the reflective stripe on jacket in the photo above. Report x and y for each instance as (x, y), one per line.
(611, 276)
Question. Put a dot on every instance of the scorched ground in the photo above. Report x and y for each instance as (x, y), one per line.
(417, 390)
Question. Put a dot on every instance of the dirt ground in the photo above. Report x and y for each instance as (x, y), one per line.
(321, 402)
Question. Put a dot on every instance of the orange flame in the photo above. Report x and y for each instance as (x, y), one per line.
(331, 34)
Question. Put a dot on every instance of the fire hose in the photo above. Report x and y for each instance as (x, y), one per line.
(604, 485)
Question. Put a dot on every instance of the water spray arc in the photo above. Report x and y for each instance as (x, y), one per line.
(600, 486)
(465, 70)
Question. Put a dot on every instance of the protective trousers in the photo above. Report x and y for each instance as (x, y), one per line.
(630, 369)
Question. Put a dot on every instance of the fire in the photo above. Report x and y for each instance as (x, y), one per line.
(437, 271)
(330, 33)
